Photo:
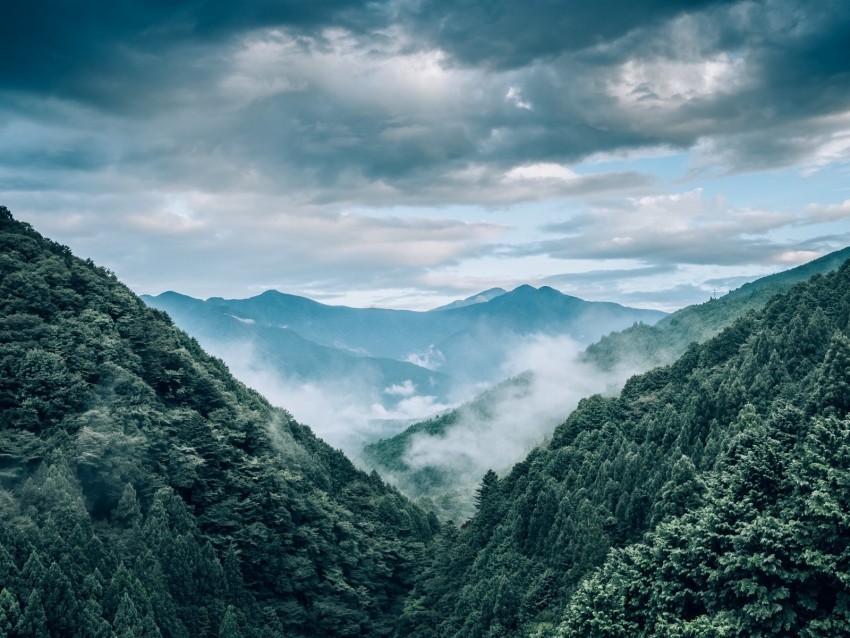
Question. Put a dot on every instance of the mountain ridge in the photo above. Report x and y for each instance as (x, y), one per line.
(705, 499)
(654, 345)
(144, 491)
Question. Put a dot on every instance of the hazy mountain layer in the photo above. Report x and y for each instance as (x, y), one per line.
(146, 492)
(451, 339)
(283, 351)
(645, 346)
(353, 373)
(480, 297)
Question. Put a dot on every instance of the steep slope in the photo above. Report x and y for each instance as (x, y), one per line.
(499, 327)
(643, 346)
(736, 455)
(447, 488)
(633, 350)
(481, 297)
(145, 492)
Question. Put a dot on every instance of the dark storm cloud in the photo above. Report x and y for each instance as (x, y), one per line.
(795, 75)
(512, 34)
(527, 82)
(297, 110)
(98, 51)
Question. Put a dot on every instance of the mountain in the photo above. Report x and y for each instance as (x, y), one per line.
(283, 351)
(447, 484)
(481, 297)
(463, 341)
(497, 327)
(380, 368)
(641, 347)
(146, 492)
(709, 498)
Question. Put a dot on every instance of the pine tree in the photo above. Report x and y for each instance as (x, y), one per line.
(60, 604)
(33, 573)
(127, 513)
(127, 623)
(10, 613)
(834, 381)
(33, 622)
(229, 627)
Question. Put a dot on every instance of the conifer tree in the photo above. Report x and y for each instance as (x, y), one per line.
(834, 381)
(229, 627)
(128, 513)
(10, 613)
(33, 621)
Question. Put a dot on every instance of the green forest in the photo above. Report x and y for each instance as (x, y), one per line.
(145, 492)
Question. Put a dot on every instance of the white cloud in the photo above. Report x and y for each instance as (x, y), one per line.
(522, 415)
(515, 97)
(665, 84)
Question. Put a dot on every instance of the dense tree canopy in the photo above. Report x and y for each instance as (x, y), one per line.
(711, 498)
(145, 492)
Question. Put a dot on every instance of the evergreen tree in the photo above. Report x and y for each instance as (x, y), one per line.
(10, 613)
(128, 513)
(834, 381)
(229, 625)
(33, 622)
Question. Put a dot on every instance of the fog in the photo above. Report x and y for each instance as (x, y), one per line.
(493, 432)
(345, 412)
(520, 416)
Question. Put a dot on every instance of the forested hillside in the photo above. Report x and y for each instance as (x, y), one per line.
(710, 498)
(145, 492)
(449, 489)
(643, 346)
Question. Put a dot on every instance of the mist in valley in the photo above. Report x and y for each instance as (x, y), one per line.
(547, 377)
(521, 415)
(346, 412)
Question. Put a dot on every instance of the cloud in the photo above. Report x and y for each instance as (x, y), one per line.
(345, 412)
(354, 128)
(681, 228)
(510, 34)
(519, 416)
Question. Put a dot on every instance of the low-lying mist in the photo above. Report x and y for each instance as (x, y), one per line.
(346, 412)
(492, 432)
(516, 417)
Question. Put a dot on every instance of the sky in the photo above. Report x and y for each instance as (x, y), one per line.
(404, 153)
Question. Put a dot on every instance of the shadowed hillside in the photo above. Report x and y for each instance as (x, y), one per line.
(146, 492)
(721, 478)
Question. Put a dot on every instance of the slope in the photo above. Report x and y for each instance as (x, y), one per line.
(735, 455)
(481, 297)
(445, 487)
(145, 492)
(632, 350)
(642, 346)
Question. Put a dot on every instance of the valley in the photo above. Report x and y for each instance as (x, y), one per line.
(147, 492)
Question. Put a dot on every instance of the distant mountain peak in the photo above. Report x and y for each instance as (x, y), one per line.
(481, 297)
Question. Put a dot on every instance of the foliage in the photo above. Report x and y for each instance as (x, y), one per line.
(145, 492)
(709, 499)
(644, 346)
